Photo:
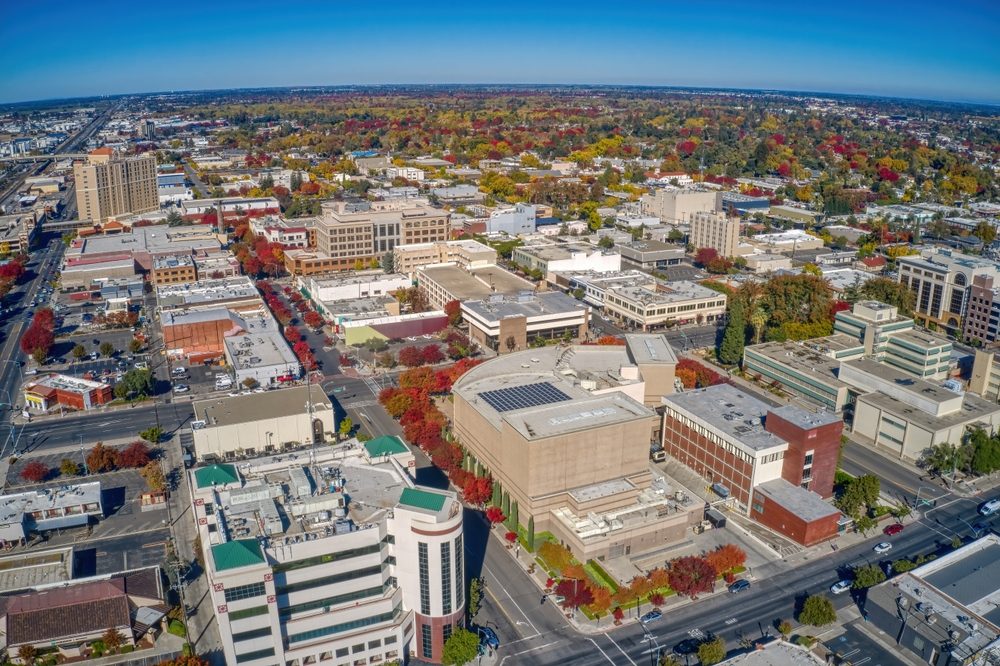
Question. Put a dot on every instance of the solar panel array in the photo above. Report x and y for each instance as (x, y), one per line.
(519, 397)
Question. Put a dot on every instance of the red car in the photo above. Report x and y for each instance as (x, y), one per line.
(893, 529)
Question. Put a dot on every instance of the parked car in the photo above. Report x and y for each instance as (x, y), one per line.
(739, 586)
(488, 637)
(841, 586)
(181, 388)
(178, 371)
(651, 616)
(687, 646)
(891, 530)
(883, 547)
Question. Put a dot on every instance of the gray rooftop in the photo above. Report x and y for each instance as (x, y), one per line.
(803, 503)
(974, 409)
(260, 406)
(465, 285)
(730, 412)
(650, 348)
(528, 305)
(155, 238)
(805, 419)
(206, 292)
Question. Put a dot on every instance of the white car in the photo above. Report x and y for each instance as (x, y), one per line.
(841, 586)
(989, 508)
(181, 388)
(883, 547)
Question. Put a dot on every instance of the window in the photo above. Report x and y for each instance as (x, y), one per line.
(343, 626)
(330, 601)
(244, 592)
(425, 582)
(247, 612)
(374, 644)
(342, 652)
(251, 656)
(253, 633)
(446, 632)
(329, 580)
(327, 558)
(446, 577)
(459, 574)
(426, 649)
(360, 647)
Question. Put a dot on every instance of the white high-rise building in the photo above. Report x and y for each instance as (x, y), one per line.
(342, 560)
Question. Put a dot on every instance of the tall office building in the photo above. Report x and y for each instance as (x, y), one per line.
(715, 230)
(677, 206)
(108, 184)
(330, 560)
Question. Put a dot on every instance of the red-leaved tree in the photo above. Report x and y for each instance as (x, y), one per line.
(691, 576)
(575, 593)
(35, 472)
(494, 515)
(135, 455)
(411, 357)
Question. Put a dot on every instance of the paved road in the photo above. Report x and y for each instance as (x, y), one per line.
(52, 433)
(542, 636)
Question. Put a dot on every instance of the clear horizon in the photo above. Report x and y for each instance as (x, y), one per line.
(855, 49)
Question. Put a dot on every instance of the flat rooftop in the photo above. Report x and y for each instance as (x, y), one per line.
(367, 277)
(667, 292)
(548, 251)
(27, 570)
(730, 412)
(232, 410)
(530, 305)
(475, 285)
(574, 415)
(921, 339)
(805, 419)
(155, 238)
(802, 503)
(973, 409)
(811, 358)
(260, 345)
(205, 292)
(903, 381)
(649, 348)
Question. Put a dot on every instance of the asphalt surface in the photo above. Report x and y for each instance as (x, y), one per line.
(61, 432)
(535, 633)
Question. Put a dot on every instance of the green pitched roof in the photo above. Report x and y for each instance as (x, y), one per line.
(216, 475)
(386, 445)
(239, 553)
(422, 499)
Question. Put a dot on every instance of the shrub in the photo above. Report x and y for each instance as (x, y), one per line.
(176, 627)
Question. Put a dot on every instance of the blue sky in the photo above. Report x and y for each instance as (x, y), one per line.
(916, 48)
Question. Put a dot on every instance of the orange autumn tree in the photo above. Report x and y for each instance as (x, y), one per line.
(726, 558)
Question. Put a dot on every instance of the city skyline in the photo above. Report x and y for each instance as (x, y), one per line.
(858, 49)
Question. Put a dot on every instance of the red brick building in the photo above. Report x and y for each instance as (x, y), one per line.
(740, 444)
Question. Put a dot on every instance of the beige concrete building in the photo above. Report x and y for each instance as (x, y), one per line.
(662, 304)
(511, 324)
(108, 185)
(677, 206)
(566, 434)
(450, 283)
(353, 232)
(715, 230)
(467, 253)
(261, 423)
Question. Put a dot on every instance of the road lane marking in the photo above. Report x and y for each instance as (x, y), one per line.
(619, 649)
(540, 647)
(603, 652)
(527, 619)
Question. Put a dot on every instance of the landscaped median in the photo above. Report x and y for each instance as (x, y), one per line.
(590, 588)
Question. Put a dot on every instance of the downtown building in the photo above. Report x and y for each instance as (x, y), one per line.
(327, 558)
(941, 282)
(108, 185)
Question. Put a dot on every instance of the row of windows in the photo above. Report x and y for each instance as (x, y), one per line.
(327, 558)
(252, 656)
(459, 576)
(331, 601)
(250, 635)
(728, 447)
(426, 648)
(343, 626)
(329, 580)
(425, 579)
(446, 577)
(247, 612)
(372, 645)
(244, 592)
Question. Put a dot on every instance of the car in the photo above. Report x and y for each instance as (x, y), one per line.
(883, 547)
(488, 637)
(891, 530)
(990, 507)
(233, 394)
(651, 616)
(739, 586)
(979, 528)
(181, 388)
(141, 365)
(841, 586)
(179, 371)
(687, 646)
(260, 389)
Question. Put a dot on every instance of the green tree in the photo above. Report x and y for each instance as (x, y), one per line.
(40, 355)
(495, 497)
(985, 454)
(712, 652)
(135, 345)
(475, 597)
(888, 291)
(69, 467)
(388, 262)
(734, 337)
(531, 533)
(152, 434)
(79, 351)
(460, 648)
(607, 242)
(817, 611)
(346, 426)
(985, 232)
(107, 349)
(136, 382)
(512, 518)
(903, 565)
(174, 219)
(865, 524)
(868, 575)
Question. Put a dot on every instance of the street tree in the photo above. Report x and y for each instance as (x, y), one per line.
(867, 576)
(106, 349)
(79, 351)
(101, 459)
(734, 337)
(712, 652)
(691, 576)
(346, 426)
(817, 611)
(461, 648)
(68, 467)
(575, 593)
(153, 474)
(35, 472)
